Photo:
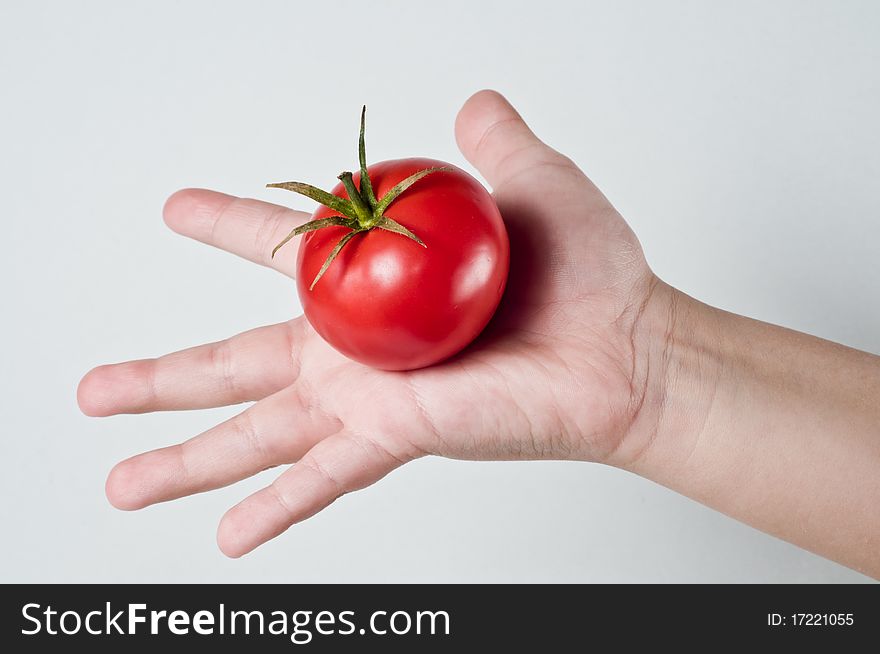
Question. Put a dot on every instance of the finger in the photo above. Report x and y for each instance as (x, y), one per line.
(497, 141)
(248, 228)
(340, 464)
(244, 368)
(276, 430)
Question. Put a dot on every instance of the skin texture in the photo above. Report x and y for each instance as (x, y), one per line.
(589, 357)
(390, 303)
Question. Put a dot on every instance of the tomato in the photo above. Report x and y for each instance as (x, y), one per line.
(391, 303)
(404, 263)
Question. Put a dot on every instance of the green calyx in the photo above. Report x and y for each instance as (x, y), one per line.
(360, 212)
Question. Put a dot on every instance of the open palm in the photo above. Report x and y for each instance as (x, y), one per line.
(560, 373)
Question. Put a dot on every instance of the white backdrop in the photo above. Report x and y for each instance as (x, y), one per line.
(740, 140)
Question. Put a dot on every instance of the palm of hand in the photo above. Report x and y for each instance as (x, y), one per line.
(556, 374)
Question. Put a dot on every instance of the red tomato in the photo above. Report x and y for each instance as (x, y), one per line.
(390, 303)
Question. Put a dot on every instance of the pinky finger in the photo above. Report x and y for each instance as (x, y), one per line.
(337, 465)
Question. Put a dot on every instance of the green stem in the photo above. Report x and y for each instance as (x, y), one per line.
(366, 182)
(364, 212)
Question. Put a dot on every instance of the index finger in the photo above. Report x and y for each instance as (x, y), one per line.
(248, 228)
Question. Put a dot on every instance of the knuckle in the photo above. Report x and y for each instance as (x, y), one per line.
(245, 427)
(312, 462)
(266, 234)
(282, 502)
(222, 362)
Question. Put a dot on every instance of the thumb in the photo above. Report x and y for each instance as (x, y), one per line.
(496, 140)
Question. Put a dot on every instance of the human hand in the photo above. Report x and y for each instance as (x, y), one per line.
(562, 372)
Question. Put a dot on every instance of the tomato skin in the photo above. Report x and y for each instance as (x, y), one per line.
(392, 304)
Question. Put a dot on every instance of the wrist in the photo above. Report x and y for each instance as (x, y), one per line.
(678, 364)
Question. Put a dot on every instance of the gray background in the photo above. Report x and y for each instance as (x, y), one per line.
(740, 140)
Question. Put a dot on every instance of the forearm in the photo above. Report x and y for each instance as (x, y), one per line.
(773, 427)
